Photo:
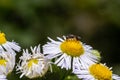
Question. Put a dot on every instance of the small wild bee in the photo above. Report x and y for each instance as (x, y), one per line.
(71, 36)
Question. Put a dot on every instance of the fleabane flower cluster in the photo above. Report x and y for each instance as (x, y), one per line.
(68, 52)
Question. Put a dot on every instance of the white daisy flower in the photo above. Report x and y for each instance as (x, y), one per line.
(2, 77)
(96, 71)
(69, 52)
(7, 63)
(33, 64)
(8, 46)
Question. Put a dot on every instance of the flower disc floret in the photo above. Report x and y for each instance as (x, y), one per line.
(3, 62)
(72, 47)
(2, 38)
(100, 72)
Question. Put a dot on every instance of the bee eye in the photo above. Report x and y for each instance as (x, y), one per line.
(78, 37)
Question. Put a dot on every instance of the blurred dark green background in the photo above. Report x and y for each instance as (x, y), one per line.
(30, 22)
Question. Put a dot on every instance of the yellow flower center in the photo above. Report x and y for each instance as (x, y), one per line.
(100, 72)
(2, 38)
(31, 62)
(3, 62)
(72, 47)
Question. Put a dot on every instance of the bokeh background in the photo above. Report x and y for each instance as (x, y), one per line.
(30, 22)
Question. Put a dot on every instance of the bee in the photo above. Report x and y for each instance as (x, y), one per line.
(71, 36)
